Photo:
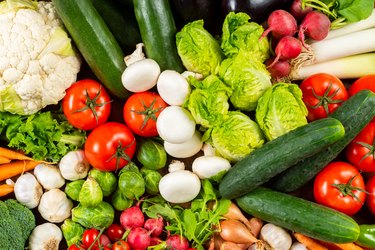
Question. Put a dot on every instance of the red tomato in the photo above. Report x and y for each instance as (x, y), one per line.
(141, 111)
(89, 236)
(360, 152)
(110, 146)
(365, 82)
(115, 232)
(86, 104)
(76, 247)
(340, 186)
(322, 94)
(121, 245)
(370, 197)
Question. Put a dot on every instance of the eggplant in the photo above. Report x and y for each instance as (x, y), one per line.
(185, 11)
(258, 10)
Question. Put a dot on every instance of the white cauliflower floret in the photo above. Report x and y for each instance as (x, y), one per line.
(37, 62)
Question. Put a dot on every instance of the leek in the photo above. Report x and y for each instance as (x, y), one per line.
(349, 67)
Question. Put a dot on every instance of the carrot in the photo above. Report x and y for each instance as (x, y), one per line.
(310, 243)
(6, 189)
(12, 154)
(15, 168)
(4, 160)
(349, 246)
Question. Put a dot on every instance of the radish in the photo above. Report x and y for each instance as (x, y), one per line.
(154, 226)
(315, 25)
(280, 69)
(298, 11)
(287, 48)
(280, 23)
(155, 241)
(139, 238)
(177, 242)
(132, 217)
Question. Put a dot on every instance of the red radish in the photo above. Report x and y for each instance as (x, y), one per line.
(154, 226)
(177, 242)
(155, 241)
(315, 25)
(287, 48)
(280, 69)
(132, 217)
(280, 23)
(297, 11)
(139, 238)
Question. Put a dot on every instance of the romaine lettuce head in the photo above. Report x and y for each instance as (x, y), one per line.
(281, 110)
(239, 33)
(236, 137)
(208, 102)
(198, 49)
(247, 77)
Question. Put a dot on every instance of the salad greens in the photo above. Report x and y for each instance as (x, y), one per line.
(44, 135)
(198, 222)
(281, 110)
(240, 34)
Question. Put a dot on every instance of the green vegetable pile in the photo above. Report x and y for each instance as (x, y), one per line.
(43, 135)
(16, 224)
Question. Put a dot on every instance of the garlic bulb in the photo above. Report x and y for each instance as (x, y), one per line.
(74, 165)
(46, 236)
(49, 176)
(54, 206)
(277, 237)
(298, 246)
(27, 190)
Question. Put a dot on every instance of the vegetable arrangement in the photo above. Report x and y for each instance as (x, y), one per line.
(220, 128)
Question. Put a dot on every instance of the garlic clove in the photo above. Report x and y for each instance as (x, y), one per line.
(28, 191)
(46, 236)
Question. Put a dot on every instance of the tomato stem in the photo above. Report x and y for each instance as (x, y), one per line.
(326, 99)
(347, 188)
(148, 111)
(120, 153)
(371, 149)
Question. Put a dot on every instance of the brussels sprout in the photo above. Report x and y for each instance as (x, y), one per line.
(152, 179)
(107, 180)
(73, 188)
(131, 184)
(151, 154)
(72, 231)
(120, 202)
(281, 110)
(91, 194)
(102, 215)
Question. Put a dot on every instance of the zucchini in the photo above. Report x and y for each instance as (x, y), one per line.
(158, 32)
(121, 21)
(300, 215)
(277, 155)
(95, 42)
(354, 114)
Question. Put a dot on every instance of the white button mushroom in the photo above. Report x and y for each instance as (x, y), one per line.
(185, 149)
(172, 87)
(179, 186)
(209, 166)
(175, 124)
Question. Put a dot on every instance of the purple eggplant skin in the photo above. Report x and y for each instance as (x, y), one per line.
(258, 10)
(185, 11)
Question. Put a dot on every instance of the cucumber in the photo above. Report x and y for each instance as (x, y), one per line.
(300, 215)
(354, 114)
(158, 32)
(121, 21)
(277, 155)
(95, 42)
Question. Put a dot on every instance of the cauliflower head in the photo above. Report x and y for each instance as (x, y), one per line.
(37, 60)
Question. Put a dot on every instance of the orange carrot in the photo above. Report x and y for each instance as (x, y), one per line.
(6, 189)
(349, 246)
(15, 168)
(4, 160)
(12, 154)
(310, 243)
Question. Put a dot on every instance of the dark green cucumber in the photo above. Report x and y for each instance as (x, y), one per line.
(95, 42)
(300, 215)
(158, 32)
(120, 19)
(277, 155)
(354, 114)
